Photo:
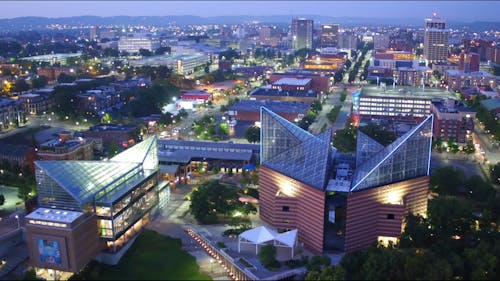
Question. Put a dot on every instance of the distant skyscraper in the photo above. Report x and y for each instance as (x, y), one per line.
(93, 32)
(381, 41)
(302, 33)
(265, 33)
(329, 35)
(348, 40)
(436, 40)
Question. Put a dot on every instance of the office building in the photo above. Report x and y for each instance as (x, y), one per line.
(92, 209)
(179, 158)
(123, 135)
(329, 35)
(348, 40)
(458, 79)
(299, 170)
(67, 147)
(436, 40)
(319, 83)
(453, 121)
(94, 33)
(302, 33)
(249, 110)
(132, 45)
(39, 102)
(12, 113)
(396, 104)
(469, 62)
(381, 41)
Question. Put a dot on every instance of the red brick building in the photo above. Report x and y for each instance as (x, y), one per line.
(52, 73)
(297, 179)
(318, 83)
(249, 110)
(453, 121)
(469, 62)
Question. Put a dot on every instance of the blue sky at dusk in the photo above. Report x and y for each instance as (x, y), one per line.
(464, 11)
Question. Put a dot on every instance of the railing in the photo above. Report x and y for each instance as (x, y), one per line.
(234, 270)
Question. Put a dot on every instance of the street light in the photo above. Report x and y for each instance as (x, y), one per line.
(18, 224)
(211, 265)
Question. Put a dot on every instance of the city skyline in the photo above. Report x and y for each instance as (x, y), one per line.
(465, 11)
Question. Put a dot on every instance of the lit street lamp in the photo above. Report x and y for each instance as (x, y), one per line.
(18, 224)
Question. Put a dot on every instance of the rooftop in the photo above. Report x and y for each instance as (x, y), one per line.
(6, 102)
(267, 91)
(293, 81)
(112, 127)
(103, 181)
(451, 106)
(455, 72)
(491, 104)
(54, 215)
(179, 151)
(406, 92)
(275, 106)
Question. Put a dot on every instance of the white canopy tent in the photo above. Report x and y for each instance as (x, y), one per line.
(262, 234)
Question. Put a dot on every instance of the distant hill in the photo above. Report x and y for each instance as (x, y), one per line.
(23, 23)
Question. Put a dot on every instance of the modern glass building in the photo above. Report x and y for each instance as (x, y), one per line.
(302, 178)
(115, 198)
(292, 178)
(388, 183)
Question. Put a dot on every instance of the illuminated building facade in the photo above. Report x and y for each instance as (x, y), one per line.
(453, 121)
(388, 183)
(292, 178)
(436, 40)
(300, 182)
(133, 45)
(87, 207)
(329, 35)
(302, 33)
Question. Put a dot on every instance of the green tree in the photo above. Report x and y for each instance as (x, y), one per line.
(211, 199)
(20, 86)
(65, 78)
(345, 139)
(450, 216)
(334, 112)
(316, 106)
(252, 134)
(446, 180)
(416, 233)
(378, 133)
(495, 173)
(480, 190)
(23, 191)
(39, 82)
(267, 257)
(112, 149)
(332, 272)
(107, 118)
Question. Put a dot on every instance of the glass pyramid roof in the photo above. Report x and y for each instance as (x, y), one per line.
(143, 152)
(366, 147)
(293, 151)
(405, 158)
(83, 179)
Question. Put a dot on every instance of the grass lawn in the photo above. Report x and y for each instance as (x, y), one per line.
(152, 257)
